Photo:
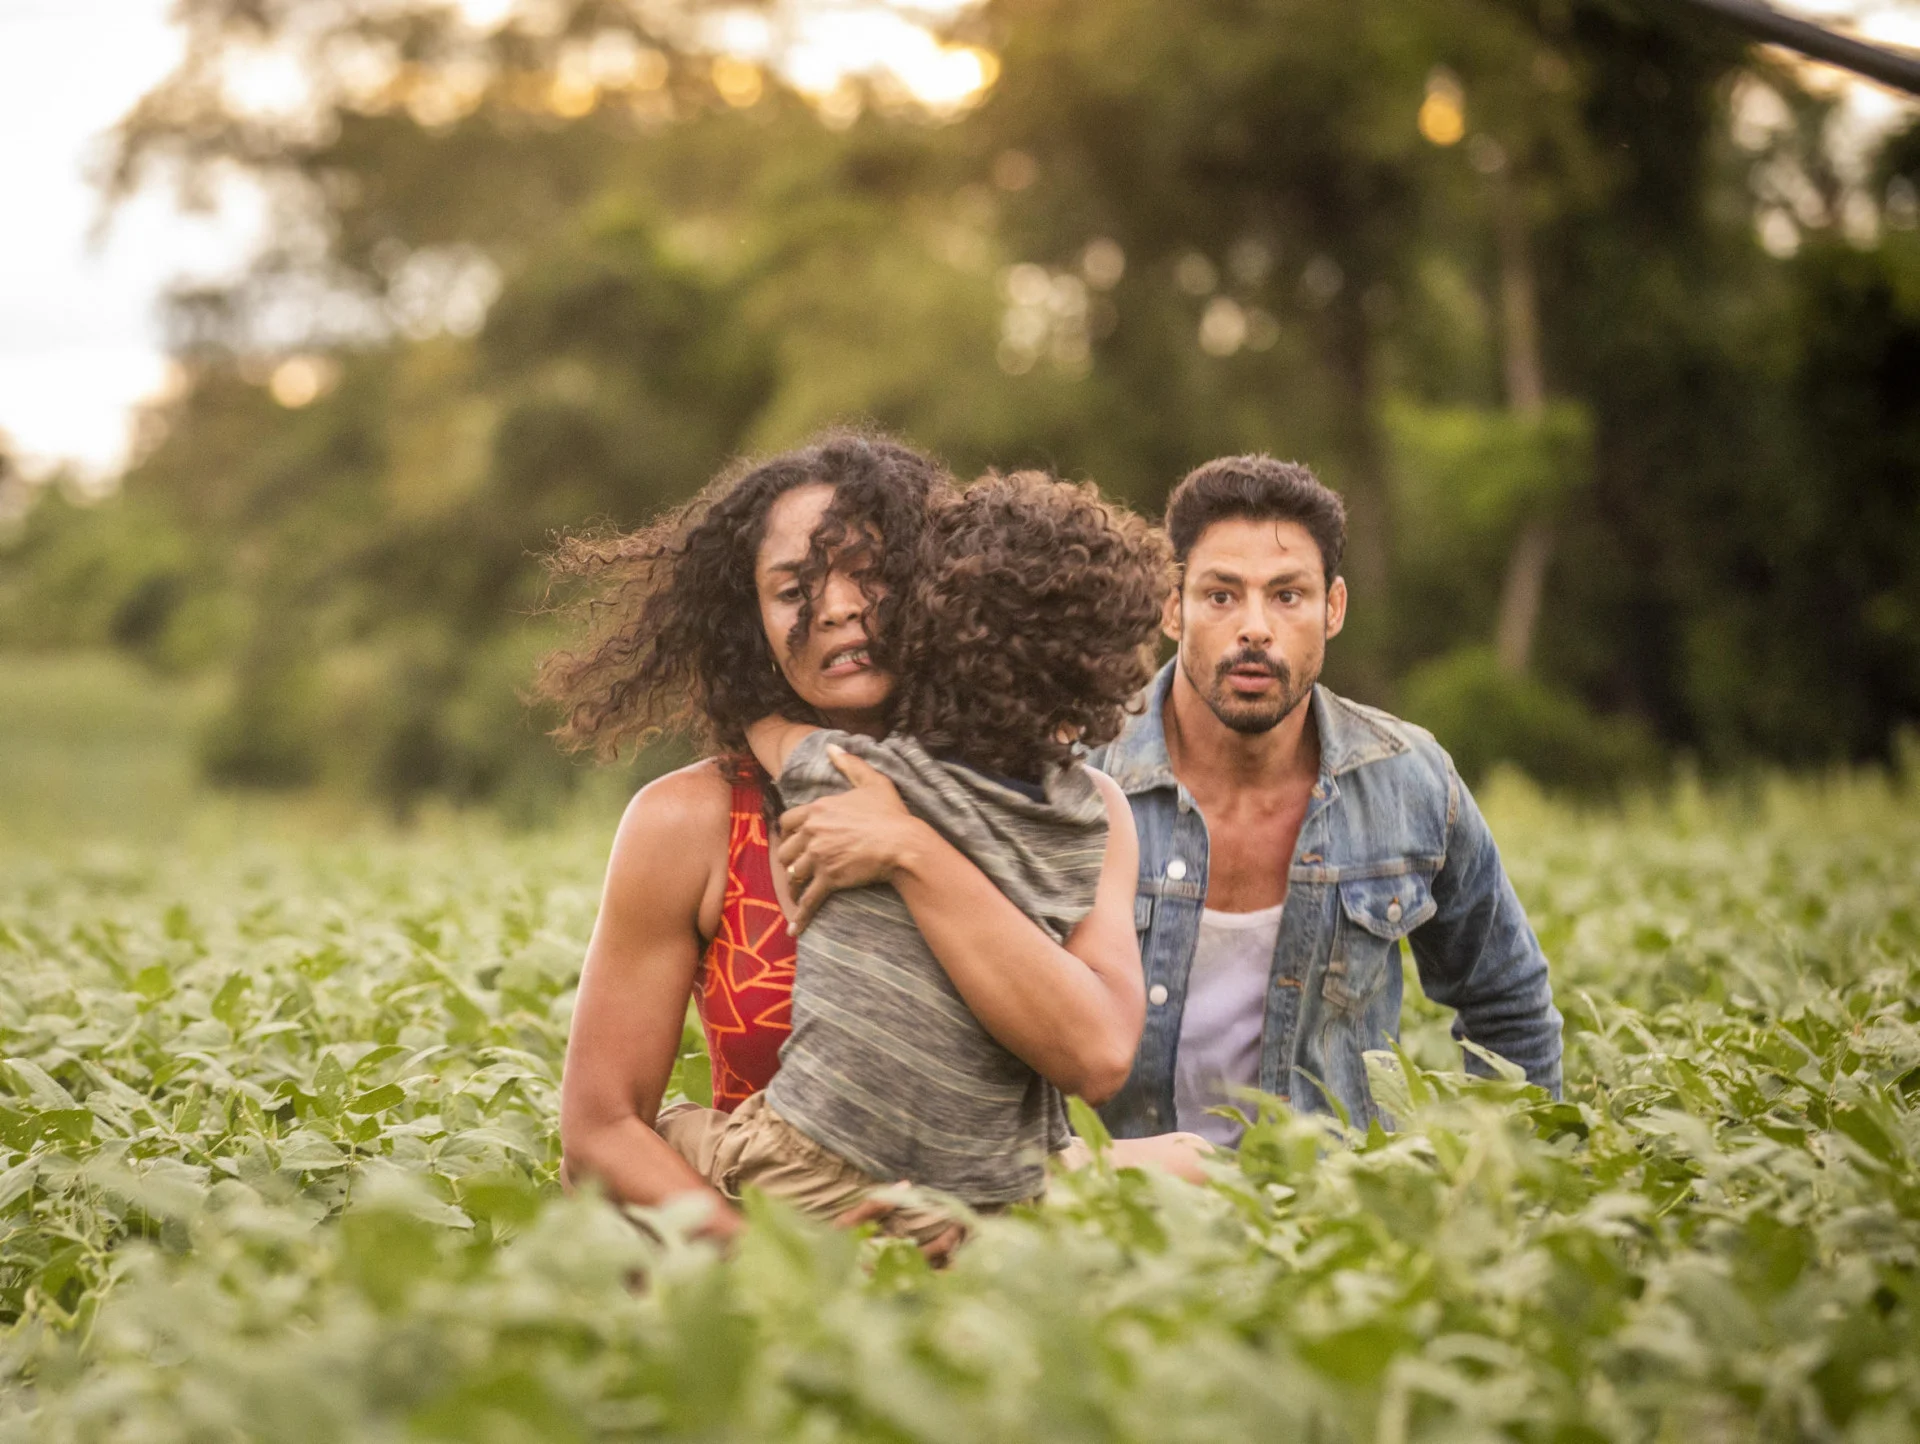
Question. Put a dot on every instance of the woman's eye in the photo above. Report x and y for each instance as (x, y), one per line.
(789, 595)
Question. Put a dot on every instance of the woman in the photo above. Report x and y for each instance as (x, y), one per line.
(769, 594)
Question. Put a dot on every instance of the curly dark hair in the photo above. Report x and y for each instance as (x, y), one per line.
(675, 641)
(1028, 625)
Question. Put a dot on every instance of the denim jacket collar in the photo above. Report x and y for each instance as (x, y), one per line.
(1349, 738)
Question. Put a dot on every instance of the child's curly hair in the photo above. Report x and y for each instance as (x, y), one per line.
(1029, 625)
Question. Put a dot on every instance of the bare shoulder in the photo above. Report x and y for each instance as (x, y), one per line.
(1119, 810)
(1111, 794)
(679, 816)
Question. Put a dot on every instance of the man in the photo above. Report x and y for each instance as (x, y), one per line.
(1290, 839)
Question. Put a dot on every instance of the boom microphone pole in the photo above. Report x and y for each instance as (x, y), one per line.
(1895, 68)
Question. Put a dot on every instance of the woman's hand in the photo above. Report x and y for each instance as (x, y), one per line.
(851, 839)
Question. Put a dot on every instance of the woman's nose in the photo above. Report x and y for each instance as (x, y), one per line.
(840, 600)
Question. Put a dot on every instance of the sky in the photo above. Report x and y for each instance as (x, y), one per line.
(80, 343)
(79, 340)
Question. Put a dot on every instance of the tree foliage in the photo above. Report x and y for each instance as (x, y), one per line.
(554, 274)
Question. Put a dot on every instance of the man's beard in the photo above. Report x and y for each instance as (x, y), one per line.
(1252, 715)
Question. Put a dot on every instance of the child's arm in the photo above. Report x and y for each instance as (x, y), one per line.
(773, 739)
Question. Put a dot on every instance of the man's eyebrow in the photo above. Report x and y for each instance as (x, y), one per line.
(1290, 578)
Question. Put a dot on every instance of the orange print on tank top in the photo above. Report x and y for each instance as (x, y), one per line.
(746, 983)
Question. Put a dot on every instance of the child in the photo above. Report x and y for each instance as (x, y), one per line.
(1024, 635)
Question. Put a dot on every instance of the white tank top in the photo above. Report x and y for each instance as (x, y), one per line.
(1225, 1015)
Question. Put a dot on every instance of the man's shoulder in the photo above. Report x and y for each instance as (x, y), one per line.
(1411, 735)
(1132, 749)
(1374, 737)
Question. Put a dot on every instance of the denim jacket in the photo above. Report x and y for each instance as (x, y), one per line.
(1392, 847)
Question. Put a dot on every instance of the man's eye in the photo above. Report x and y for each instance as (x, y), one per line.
(1220, 599)
(1289, 597)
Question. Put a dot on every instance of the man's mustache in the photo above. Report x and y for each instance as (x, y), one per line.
(1250, 658)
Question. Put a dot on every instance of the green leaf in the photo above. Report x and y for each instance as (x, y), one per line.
(385, 1053)
(1868, 1127)
(308, 1152)
(1088, 1126)
(330, 1079)
(15, 1182)
(73, 1125)
(37, 1085)
(154, 982)
(378, 1100)
(1419, 1091)
(1358, 1355)
(503, 1198)
(177, 923)
(227, 1002)
(1502, 1069)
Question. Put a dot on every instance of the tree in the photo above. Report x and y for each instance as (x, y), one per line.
(1490, 265)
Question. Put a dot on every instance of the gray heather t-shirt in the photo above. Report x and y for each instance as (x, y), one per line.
(887, 1066)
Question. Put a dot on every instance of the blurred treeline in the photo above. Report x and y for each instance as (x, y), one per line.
(1612, 347)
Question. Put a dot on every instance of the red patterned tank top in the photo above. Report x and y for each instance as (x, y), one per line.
(746, 978)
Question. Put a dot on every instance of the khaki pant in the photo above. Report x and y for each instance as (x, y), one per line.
(755, 1147)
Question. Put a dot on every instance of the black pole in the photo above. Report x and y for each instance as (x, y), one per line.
(1897, 69)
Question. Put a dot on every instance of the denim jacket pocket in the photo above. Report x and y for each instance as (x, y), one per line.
(1378, 913)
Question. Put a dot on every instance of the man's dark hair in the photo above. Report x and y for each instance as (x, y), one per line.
(1259, 489)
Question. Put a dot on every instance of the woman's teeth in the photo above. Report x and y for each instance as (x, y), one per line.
(851, 654)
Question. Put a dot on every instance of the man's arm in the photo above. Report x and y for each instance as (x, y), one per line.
(1478, 955)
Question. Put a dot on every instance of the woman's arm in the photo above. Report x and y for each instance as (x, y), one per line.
(772, 740)
(1073, 1013)
(662, 881)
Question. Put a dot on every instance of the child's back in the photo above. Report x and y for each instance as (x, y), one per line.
(886, 1065)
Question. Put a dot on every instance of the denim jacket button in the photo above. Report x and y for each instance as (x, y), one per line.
(1177, 869)
(1157, 994)
(1393, 911)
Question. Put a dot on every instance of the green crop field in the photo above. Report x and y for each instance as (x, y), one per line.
(278, 1155)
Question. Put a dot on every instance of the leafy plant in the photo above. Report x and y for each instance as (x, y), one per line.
(278, 1151)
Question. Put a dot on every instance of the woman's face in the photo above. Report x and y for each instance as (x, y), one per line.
(831, 670)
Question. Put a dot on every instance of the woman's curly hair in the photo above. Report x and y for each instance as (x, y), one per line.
(1029, 624)
(675, 640)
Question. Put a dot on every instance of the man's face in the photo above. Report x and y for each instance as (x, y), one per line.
(1252, 614)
